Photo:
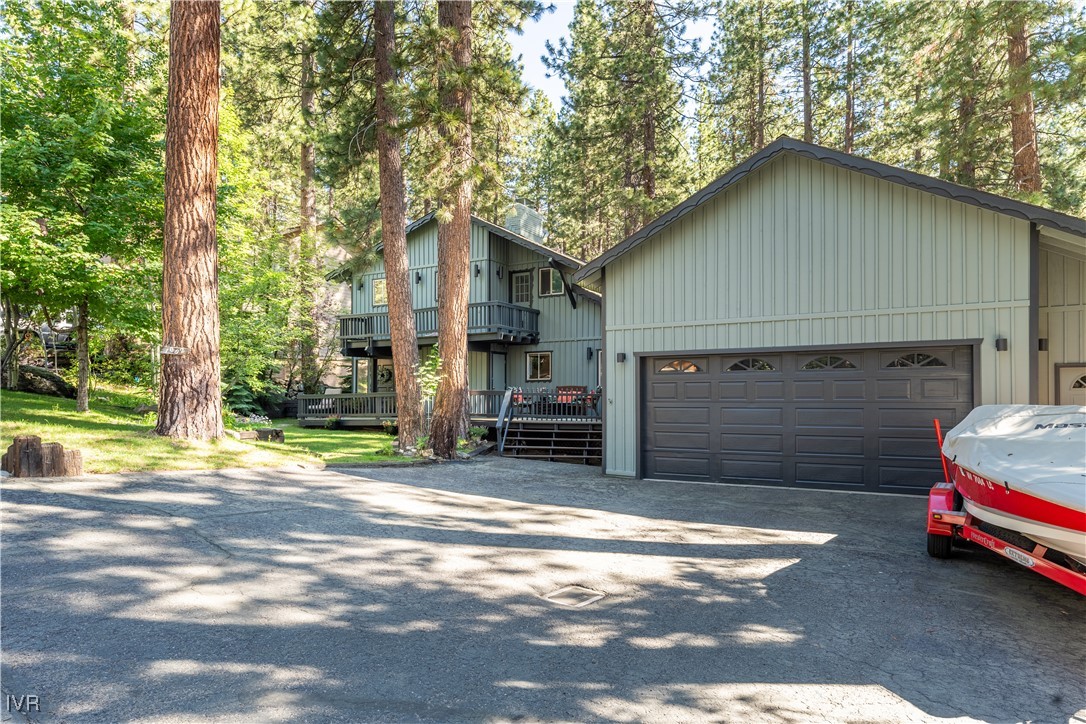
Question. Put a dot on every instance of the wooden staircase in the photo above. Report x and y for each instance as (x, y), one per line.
(570, 441)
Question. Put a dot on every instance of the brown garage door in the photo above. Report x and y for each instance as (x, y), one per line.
(845, 419)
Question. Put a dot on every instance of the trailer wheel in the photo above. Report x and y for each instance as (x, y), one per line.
(939, 546)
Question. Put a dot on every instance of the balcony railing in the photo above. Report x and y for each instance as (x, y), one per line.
(498, 318)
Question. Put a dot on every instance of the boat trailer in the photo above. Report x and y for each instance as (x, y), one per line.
(948, 520)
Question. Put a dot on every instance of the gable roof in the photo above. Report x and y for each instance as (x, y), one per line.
(784, 145)
(345, 270)
(505, 234)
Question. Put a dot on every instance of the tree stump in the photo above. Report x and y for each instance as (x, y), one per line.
(27, 457)
(270, 434)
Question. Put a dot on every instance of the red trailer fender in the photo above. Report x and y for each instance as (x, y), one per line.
(941, 509)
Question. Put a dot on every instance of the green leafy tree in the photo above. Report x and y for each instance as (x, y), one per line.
(81, 165)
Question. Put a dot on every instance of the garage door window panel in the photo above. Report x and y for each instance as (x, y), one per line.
(682, 366)
(916, 359)
(829, 362)
(751, 364)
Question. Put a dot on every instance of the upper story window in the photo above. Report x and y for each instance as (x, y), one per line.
(522, 287)
(380, 293)
(550, 282)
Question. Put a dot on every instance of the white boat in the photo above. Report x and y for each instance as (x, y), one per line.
(1023, 468)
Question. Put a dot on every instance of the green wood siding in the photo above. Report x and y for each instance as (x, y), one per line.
(1061, 314)
(477, 370)
(422, 257)
(803, 253)
(566, 332)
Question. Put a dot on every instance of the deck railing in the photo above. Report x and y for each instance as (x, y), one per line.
(382, 405)
(483, 318)
(556, 404)
(376, 405)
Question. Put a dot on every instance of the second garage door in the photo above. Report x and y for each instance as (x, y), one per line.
(845, 419)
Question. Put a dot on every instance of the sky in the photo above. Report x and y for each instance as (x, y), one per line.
(532, 45)
(552, 26)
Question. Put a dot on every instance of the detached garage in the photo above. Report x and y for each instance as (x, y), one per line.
(803, 319)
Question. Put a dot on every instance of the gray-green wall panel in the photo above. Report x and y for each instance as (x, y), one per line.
(564, 331)
(1061, 315)
(802, 253)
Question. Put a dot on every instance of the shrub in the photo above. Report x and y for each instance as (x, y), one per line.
(240, 399)
(429, 374)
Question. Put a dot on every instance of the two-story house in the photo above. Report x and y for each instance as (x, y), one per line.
(529, 326)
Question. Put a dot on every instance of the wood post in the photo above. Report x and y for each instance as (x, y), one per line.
(27, 457)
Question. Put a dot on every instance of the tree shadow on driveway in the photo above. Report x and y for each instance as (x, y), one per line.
(408, 594)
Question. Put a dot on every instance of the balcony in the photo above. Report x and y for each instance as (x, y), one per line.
(498, 321)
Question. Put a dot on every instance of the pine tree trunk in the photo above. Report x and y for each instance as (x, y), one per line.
(762, 91)
(850, 83)
(190, 403)
(308, 265)
(966, 144)
(808, 100)
(450, 420)
(1026, 166)
(401, 313)
(82, 355)
(648, 121)
(918, 154)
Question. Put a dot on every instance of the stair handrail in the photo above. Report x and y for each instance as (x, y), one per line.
(505, 416)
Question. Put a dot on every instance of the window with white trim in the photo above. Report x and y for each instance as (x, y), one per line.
(539, 366)
(380, 293)
(550, 282)
(522, 287)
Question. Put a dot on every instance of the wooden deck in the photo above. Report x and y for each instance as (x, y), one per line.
(490, 408)
(372, 410)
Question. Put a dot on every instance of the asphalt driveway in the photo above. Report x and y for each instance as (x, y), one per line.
(417, 594)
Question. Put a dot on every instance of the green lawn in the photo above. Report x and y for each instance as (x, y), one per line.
(114, 439)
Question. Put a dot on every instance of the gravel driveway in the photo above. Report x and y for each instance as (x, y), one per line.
(407, 594)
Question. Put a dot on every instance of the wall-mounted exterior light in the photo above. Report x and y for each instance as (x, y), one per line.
(589, 353)
(478, 270)
(1001, 344)
(500, 271)
(620, 357)
(1042, 344)
(418, 277)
